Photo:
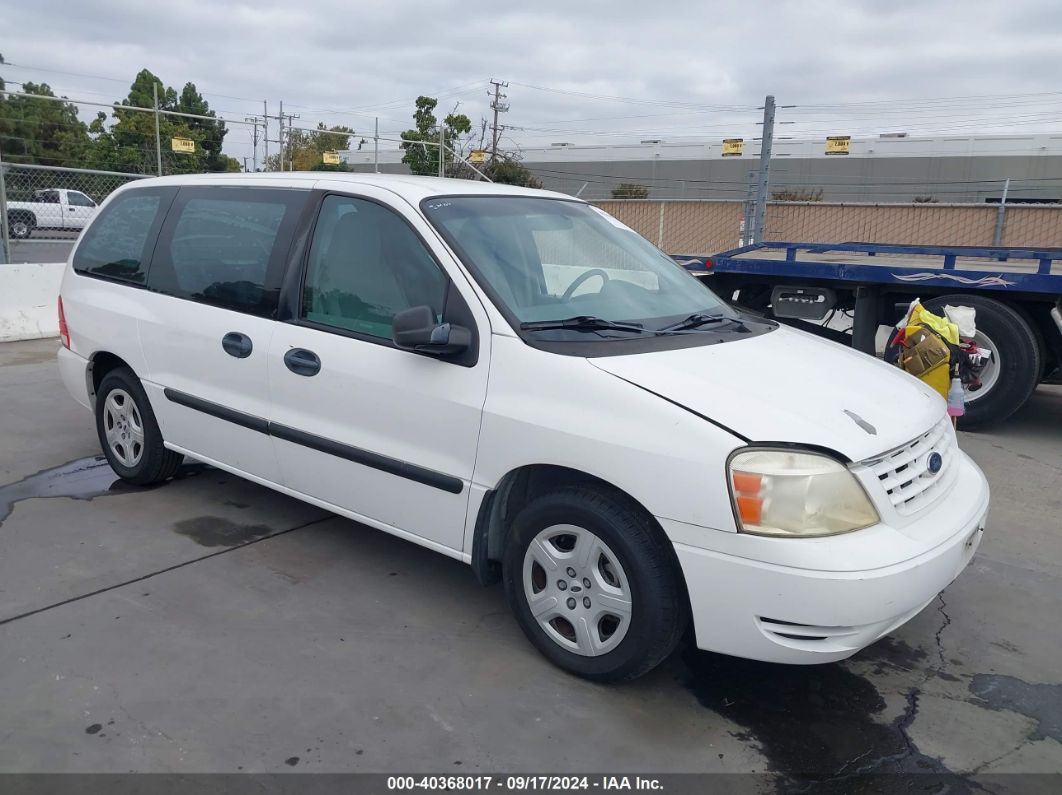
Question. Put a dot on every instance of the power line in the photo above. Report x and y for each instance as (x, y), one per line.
(634, 100)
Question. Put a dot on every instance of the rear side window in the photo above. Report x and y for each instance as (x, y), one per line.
(118, 243)
(227, 246)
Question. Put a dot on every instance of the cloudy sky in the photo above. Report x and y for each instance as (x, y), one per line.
(590, 71)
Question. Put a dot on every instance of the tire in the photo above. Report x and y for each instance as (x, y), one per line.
(635, 608)
(1017, 353)
(20, 226)
(128, 432)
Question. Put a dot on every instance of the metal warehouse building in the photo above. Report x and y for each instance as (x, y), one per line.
(891, 168)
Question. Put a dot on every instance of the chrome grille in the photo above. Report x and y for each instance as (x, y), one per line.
(904, 472)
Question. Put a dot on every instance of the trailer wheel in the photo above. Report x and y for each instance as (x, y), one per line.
(1017, 362)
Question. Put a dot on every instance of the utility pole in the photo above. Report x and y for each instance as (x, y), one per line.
(158, 138)
(497, 106)
(254, 143)
(376, 147)
(280, 136)
(265, 134)
(285, 145)
(765, 162)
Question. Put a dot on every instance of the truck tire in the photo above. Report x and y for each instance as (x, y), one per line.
(1017, 363)
(20, 225)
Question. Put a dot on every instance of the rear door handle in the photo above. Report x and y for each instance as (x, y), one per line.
(302, 362)
(237, 344)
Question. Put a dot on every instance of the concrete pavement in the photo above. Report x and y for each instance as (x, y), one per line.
(211, 625)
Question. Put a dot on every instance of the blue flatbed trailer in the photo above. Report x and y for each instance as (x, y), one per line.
(1017, 293)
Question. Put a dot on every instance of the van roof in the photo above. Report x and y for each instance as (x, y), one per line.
(412, 188)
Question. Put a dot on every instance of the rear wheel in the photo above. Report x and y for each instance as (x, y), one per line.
(129, 435)
(1014, 370)
(594, 584)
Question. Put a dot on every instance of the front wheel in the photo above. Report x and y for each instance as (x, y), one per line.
(129, 435)
(594, 584)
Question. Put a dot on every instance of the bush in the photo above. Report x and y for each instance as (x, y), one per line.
(792, 195)
(630, 190)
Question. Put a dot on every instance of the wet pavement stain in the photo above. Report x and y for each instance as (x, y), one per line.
(216, 531)
(816, 724)
(82, 479)
(1039, 702)
(894, 653)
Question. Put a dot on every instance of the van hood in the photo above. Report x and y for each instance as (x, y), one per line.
(789, 386)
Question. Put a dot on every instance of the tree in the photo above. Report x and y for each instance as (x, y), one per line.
(213, 132)
(41, 131)
(129, 143)
(630, 190)
(304, 149)
(423, 158)
(511, 172)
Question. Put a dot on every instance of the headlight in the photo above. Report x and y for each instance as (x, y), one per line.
(796, 494)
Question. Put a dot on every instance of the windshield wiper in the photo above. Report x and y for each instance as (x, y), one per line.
(696, 320)
(581, 323)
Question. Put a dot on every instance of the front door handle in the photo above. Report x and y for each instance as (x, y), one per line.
(237, 344)
(302, 362)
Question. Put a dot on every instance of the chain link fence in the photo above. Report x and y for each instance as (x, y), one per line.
(708, 227)
(45, 208)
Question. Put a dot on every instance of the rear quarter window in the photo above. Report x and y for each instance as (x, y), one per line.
(117, 245)
(227, 246)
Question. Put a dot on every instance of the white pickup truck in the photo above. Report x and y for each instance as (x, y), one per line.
(53, 208)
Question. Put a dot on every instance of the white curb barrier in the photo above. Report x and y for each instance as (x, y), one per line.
(28, 295)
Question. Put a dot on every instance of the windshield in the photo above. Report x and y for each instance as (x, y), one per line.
(551, 260)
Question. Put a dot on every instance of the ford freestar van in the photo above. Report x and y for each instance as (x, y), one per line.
(519, 381)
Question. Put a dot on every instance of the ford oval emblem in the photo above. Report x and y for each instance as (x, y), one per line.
(934, 463)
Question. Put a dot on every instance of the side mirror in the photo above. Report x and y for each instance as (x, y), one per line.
(415, 329)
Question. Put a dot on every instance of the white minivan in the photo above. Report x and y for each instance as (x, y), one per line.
(517, 380)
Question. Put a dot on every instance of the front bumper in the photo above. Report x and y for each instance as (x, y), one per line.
(800, 614)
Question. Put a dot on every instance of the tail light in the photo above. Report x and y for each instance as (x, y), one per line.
(64, 332)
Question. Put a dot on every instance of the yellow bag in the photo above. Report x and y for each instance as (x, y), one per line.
(927, 357)
(920, 316)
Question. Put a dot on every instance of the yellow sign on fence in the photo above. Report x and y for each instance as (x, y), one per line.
(330, 158)
(477, 156)
(185, 145)
(837, 144)
(733, 147)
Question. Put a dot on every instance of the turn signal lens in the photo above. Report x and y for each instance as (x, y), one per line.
(796, 494)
